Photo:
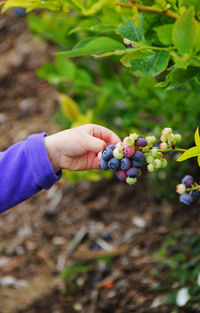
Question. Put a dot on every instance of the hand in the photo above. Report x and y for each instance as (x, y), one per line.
(77, 148)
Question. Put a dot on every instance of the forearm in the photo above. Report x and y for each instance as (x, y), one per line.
(25, 169)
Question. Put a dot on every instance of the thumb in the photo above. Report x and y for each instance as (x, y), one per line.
(95, 144)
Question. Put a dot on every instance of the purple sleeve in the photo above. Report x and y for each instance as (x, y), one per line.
(25, 169)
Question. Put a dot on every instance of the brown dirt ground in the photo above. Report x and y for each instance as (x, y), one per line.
(37, 233)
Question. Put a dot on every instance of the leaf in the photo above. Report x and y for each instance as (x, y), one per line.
(178, 77)
(74, 269)
(164, 33)
(69, 108)
(93, 26)
(53, 5)
(197, 138)
(131, 32)
(150, 64)
(185, 32)
(189, 3)
(190, 153)
(93, 45)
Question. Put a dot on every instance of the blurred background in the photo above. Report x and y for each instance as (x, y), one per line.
(91, 243)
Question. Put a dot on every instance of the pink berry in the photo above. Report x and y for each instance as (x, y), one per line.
(128, 151)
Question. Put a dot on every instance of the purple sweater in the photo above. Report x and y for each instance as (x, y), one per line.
(25, 169)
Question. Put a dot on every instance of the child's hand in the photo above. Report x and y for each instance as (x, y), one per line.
(77, 148)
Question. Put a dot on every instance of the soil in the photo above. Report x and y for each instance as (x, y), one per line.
(115, 220)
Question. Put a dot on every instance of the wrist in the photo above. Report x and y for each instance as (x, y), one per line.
(53, 154)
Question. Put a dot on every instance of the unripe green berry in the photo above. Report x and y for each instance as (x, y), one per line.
(145, 149)
(131, 180)
(119, 146)
(163, 146)
(150, 140)
(163, 163)
(171, 139)
(128, 142)
(157, 163)
(134, 137)
(150, 159)
(177, 138)
(118, 154)
(154, 152)
(150, 168)
(181, 188)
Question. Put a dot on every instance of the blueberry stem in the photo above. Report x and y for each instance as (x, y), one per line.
(148, 9)
(193, 188)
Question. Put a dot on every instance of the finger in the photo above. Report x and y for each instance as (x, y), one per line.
(94, 144)
(104, 133)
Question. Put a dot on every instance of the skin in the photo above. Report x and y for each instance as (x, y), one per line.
(77, 148)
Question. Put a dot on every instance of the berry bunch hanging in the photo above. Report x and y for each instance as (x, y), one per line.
(128, 156)
(188, 190)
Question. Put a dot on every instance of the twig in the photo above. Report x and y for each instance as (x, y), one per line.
(148, 9)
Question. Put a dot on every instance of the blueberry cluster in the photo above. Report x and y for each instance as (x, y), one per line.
(125, 158)
(188, 190)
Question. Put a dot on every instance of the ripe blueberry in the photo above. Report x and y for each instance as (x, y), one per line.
(20, 12)
(138, 156)
(132, 172)
(125, 164)
(137, 164)
(187, 180)
(121, 175)
(196, 195)
(114, 164)
(141, 142)
(103, 165)
(107, 154)
(186, 198)
(111, 146)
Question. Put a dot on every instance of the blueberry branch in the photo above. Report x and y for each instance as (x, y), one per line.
(144, 8)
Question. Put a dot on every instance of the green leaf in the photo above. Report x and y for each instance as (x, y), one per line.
(164, 33)
(185, 32)
(197, 138)
(131, 32)
(190, 153)
(150, 64)
(93, 45)
(189, 3)
(178, 77)
(74, 269)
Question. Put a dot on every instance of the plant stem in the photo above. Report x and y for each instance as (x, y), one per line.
(148, 9)
(193, 188)
(176, 150)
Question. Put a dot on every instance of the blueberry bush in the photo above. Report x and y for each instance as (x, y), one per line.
(157, 42)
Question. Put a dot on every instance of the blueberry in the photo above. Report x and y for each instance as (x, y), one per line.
(186, 198)
(95, 246)
(141, 142)
(107, 154)
(128, 46)
(138, 156)
(107, 237)
(137, 164)
(195, 195)
(121, 175)
(187, 180)
(111, 146)
(132, 172)
(128, 151)
(103, 165)
(125, 164)
(114, 164)
(20, 12)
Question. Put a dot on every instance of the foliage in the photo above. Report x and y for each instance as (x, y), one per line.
(160, 38)
(179, 261)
